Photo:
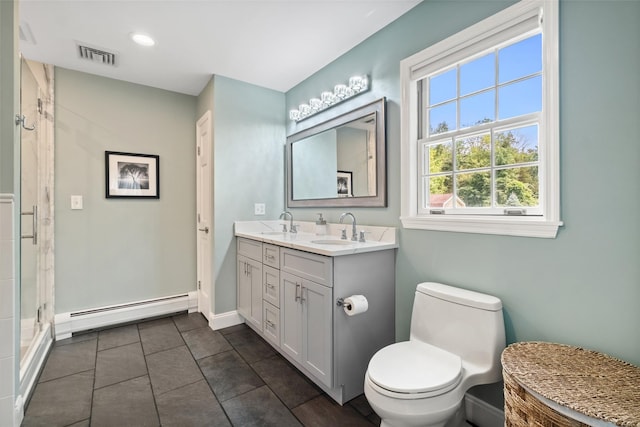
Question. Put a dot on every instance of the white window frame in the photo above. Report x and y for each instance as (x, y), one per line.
(485, 34)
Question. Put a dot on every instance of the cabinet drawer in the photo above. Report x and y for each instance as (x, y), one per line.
(271, 330)
(250, 248)
(316, 268)
(271, 255)
(271, 285)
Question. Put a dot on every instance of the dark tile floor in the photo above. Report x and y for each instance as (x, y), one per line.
(176, 371)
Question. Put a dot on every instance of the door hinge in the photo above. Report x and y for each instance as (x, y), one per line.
(39, 105)
(199, 285)
(39, 314)
(198, 150)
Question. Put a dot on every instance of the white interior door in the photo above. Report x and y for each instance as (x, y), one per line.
(204, 208)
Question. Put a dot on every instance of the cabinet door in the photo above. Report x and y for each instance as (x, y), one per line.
(250, 290)
(271, 324)
(271, 255)
(244, 288)
(317, 321)
(271, 282)
(255, 277)
(291, 315)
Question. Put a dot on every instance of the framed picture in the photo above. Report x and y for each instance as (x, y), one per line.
(132, 175)
(345, 186)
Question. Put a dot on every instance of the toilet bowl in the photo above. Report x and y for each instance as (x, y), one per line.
(456, 340)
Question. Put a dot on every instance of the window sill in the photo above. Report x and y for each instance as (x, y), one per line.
(508, 226)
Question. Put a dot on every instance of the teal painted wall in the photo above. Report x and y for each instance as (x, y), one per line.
(9, 96)
(583, 287)
(121, 250)
(249, 136)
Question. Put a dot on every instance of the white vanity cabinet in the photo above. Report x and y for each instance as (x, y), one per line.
(249, 281)
(300, 315)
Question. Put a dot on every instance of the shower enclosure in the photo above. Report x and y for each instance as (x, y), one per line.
(36, 219)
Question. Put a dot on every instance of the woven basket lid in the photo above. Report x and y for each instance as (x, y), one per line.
(584, 381)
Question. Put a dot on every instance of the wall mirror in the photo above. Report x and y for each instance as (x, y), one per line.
(340, 162)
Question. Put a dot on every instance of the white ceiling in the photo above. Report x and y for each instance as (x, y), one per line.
(269, 43)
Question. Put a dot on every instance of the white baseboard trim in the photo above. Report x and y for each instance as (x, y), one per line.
(193, 302)
(224, 320)
(68, 323)
(481, 413)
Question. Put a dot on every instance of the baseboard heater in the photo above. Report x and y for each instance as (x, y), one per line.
(85, 320)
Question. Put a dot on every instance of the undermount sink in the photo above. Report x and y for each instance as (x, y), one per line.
(333, 242)
(273, 233)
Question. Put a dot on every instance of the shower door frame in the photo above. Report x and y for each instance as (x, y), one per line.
(34, 358)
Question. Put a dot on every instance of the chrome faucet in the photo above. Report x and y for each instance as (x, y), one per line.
(292, 228)
(354, 233)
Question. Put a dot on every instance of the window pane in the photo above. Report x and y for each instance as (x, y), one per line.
(477, 109)
(478, 74)
(442, 87)
(442, 118)
(520, 98)
(440, 158)
(474, 189)
(473, 152)
(517, 187)
(518, 145)
(440, 191)
(520, 59)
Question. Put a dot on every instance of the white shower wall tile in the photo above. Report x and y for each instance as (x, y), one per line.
(6, 298)
(6, 217)
(6, 411)
(6, 260)
(7, 285)
(6, 338)
(6, 377)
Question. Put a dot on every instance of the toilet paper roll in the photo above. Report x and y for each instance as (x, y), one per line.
(355, 304)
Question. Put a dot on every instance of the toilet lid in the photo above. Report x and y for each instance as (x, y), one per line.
(415, 367)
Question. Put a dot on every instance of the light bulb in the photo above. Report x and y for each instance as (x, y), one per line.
(142, 39)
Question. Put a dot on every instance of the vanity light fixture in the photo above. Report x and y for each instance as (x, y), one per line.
(341, 92)
(142, 39)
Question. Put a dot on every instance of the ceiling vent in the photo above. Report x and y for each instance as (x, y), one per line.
(97, 55)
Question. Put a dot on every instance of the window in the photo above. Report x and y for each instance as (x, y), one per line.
(480, 127)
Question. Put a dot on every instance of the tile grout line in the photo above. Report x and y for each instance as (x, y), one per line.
(224, 411)
(93, 384)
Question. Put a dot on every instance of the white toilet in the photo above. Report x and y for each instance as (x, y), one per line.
(456, 340)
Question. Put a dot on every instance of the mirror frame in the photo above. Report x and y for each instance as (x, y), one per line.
(380, 199)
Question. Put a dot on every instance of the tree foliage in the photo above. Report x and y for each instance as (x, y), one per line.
(516, 171)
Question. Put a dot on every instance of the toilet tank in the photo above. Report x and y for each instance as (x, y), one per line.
(463, 322)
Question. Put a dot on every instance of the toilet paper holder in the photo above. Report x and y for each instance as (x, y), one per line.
(340, 303)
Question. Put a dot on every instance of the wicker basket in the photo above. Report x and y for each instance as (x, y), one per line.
(522, 409)
(589, 383)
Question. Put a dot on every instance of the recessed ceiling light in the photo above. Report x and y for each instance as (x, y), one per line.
(142, 39)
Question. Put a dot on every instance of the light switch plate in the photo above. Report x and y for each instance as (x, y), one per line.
(259, 209)
(76, 202)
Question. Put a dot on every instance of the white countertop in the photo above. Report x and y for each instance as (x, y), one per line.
(377, 238)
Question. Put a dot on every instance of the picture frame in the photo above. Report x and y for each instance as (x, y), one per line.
(345, 184)
(132, 175)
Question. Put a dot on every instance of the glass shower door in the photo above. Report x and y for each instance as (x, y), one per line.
(30, 292)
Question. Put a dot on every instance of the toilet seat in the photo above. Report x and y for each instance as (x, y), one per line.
(414, 370)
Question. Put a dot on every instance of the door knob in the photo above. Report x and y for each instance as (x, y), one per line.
(206, 229)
